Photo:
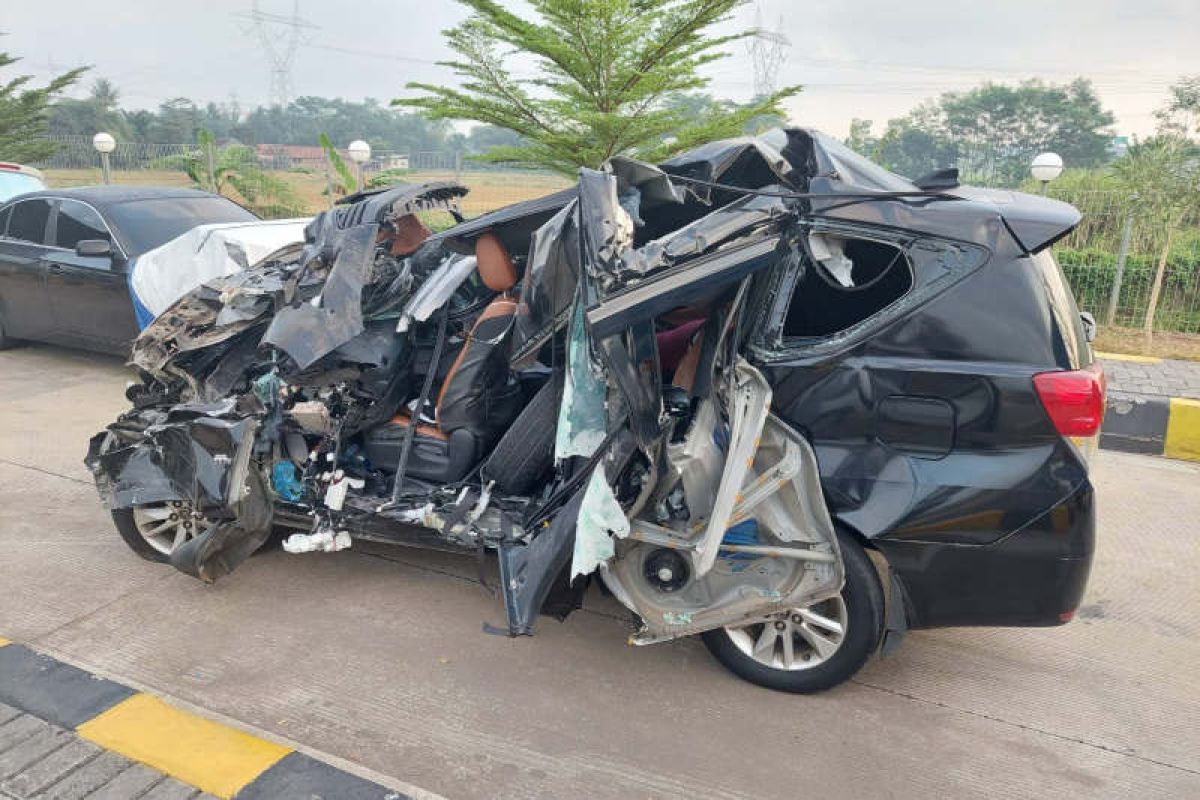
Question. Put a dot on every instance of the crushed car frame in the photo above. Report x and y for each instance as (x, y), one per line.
(581, 383)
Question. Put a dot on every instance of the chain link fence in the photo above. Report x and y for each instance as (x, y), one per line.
(1111, 259)
(290, 180)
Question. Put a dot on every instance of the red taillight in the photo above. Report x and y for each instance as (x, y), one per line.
(1074, 400)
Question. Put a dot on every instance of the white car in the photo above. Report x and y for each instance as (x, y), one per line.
(18, 179)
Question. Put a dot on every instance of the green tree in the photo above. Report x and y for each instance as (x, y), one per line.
(993, 131)
(233, 170)
(604, 71)
(24, 113)
(1164, 172)
(1181, 115)
(99, 111)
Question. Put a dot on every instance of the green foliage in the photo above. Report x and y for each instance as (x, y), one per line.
(233, 170)
(343, 179)
(993, 131)
(605, 70)
(99, 111)
(1181, 115)
(24, 113)
(388, 177)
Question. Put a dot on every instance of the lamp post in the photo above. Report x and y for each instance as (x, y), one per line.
(1046, 167)
(104, 144)
(359, 152)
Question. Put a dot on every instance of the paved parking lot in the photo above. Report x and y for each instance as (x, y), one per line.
(376, 656)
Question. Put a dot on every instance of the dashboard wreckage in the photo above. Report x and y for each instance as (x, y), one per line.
(564, 382)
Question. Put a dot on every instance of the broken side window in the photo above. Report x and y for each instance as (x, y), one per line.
(844, 282)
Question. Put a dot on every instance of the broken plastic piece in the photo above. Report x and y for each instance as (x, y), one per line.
(326, 540)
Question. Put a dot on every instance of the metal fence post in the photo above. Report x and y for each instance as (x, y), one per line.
(1122, 255)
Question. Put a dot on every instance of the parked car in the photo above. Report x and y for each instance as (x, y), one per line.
(65, 255)
(717, 384)
(17, 179)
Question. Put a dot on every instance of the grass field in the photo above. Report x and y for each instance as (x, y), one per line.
(489, 190)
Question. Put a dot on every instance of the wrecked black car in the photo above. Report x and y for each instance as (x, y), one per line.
(716, 384)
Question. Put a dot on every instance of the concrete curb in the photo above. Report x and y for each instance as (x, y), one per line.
(1152, 425)
(216, 758)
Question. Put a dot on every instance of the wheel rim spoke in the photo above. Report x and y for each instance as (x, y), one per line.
(764, 648)
(774, 644)
(820, 621)
(824, 647)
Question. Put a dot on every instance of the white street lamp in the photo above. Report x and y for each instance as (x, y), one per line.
(359, 152)
(104, 144)
(1046, 167)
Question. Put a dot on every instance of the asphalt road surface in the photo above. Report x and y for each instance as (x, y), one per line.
(376, 655)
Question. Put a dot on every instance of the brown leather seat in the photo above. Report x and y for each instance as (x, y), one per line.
(479, 397)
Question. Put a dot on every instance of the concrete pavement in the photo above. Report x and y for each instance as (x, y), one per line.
(375, 656)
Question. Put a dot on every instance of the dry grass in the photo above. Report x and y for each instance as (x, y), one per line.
(1132, 341)
(489, 190)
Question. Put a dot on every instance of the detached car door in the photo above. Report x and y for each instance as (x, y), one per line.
(24, 308)
(89, 294)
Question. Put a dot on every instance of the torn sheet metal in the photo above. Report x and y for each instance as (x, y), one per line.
(738, 217)
(607, 227)
(219, 550)
(187, 453)
(436, 290)
(550, 283)
(310, 330)
(829, 252)
(528, 572)
(749, 161)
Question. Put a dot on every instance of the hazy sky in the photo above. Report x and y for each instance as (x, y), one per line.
(857, 58)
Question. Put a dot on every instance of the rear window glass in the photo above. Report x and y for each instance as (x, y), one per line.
(77, 222)
(1071, 336)
(28, 221)
(146, 224)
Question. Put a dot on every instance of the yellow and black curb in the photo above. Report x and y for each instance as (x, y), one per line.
(1153, 425)
(216, 758)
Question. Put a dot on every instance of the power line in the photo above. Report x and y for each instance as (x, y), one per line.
(768, 50)
(279, 36)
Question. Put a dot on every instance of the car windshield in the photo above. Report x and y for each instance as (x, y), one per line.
(146, 224)
(15, 183)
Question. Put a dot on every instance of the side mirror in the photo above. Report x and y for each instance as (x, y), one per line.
(93, 248)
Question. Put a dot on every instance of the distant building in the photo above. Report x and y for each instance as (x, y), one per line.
(1118, 146)
(289, 156)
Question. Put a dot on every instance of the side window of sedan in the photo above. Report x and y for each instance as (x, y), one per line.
(78, 222)
(28, 221)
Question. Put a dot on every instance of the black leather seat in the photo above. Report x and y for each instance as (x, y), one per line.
(479, 397)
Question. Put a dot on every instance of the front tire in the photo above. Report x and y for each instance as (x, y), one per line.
(814, 648)
(155, 530)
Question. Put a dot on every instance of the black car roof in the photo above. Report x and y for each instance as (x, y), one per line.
(101, 196)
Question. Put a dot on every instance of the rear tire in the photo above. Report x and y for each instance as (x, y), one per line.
(858, 611)
(526, 450)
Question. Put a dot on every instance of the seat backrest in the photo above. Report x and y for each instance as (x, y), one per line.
(480, 374)
(494, 263)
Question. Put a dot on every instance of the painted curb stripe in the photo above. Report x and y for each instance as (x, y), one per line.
(53, 691)
(218, 759)
(1127, 357)
(1183, 430)
(1152, 425)
(208, 755)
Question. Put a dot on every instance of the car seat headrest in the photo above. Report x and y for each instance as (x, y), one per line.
(494, 263)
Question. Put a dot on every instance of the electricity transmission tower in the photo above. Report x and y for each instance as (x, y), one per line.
(279, 35)
(768, 50)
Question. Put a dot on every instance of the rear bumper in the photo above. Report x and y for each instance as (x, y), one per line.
(1033, 577)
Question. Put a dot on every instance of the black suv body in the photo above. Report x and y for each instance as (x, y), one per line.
(716, 384)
